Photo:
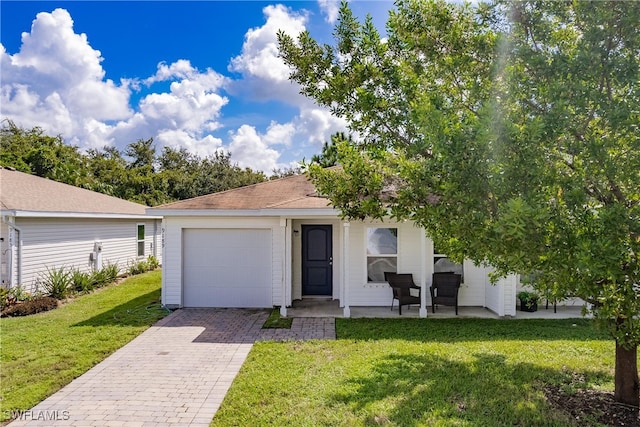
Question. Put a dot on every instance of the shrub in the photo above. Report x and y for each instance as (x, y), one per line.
(152, 262)
(35, 305)
(111, 272)
(81, 281)
(13, 296)
(138, 267)
(56, 282)
(98, 278)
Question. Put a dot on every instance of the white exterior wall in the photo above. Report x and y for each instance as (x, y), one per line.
(475, 291)
(49, 243)
(361, 293)
(172, 260)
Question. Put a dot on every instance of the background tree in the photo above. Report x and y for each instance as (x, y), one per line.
(137, 173)
(32, 151)
(510, 133)
(329, 155)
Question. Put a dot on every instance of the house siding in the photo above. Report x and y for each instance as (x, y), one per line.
(49, 243)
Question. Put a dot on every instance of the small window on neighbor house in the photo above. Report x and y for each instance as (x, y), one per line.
(140, 240)
(382, 253)
(442, 264)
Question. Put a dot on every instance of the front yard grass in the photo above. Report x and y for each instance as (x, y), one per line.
(421, 372)
(42, 353)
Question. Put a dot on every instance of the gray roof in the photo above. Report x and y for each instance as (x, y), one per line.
(23, 192)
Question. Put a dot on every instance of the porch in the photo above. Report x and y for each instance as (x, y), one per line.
(331, 308)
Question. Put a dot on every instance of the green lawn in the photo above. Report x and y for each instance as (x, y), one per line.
(42, 353)
(410, 372)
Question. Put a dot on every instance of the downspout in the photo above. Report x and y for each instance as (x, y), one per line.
(19, 255)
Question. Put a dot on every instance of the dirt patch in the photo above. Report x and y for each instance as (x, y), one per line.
(587, 406)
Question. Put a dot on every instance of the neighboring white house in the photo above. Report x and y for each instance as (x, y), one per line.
(47, 224)
(268, 244)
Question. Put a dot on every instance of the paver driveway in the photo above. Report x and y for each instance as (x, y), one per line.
(175, 373)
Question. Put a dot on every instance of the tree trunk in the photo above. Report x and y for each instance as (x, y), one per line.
(626, 377)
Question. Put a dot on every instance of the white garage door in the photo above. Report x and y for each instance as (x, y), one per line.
(226, 268)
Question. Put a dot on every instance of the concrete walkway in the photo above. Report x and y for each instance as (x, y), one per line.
(175, 373)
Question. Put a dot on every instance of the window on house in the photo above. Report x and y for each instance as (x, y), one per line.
(442, 264)
(140, 240)
(382, 253)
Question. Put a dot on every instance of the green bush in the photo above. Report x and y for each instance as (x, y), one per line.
(138, 267)
(81, 281)
(152, 262)
(33, 306)
(13, 296)
(111, 272)
(57, 282)
(99, 278)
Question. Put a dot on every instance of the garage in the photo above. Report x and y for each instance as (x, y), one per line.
(226, 267)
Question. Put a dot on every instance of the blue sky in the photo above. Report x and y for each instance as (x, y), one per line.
(203, 75)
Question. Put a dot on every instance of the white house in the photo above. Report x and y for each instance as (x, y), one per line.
(47, 224)
(268, 244)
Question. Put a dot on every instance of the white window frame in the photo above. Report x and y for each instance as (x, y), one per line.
(143, 240)
(440, 256)
(367, 255)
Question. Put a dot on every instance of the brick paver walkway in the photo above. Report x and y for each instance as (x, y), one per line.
(176, 373)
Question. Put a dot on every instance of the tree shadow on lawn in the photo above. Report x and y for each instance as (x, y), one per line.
(460, 330)
(428, 389)
(143, 310)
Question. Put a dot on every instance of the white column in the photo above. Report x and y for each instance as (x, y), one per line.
(423, 274)
(286, 249)
(345, 270)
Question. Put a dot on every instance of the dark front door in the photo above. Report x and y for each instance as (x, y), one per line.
(317, 260)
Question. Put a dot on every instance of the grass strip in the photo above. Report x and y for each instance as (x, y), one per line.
(274, 321)
(42, 353)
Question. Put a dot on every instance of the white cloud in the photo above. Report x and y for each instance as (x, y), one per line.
(204, 146)
(260, 49)
(60, 75)
(265, 75)
(330, 9)
(56, 81)
(249, 149)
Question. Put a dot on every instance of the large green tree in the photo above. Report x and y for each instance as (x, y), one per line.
(510, 132)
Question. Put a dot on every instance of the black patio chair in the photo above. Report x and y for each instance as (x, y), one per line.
(402, 285)
(444, 290)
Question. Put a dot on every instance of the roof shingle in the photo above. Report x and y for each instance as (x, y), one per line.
(23, 192)
(293, 192)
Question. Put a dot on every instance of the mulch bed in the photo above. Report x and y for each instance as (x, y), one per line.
(586, 406)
